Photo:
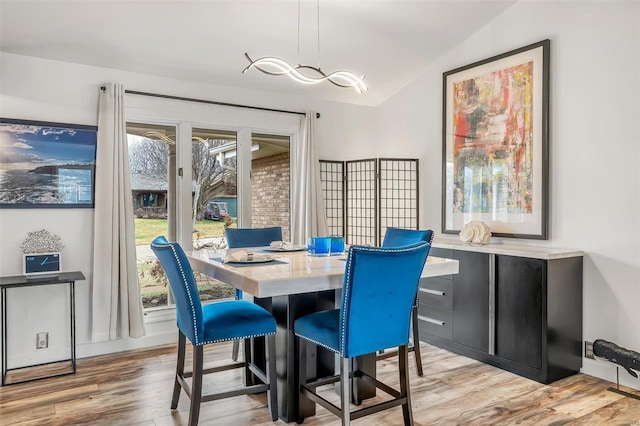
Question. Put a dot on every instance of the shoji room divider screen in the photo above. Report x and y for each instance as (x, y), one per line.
(365, 197)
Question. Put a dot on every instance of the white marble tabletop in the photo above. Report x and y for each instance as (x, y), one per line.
(290, 272)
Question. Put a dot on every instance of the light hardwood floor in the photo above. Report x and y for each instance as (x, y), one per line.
(134, 388)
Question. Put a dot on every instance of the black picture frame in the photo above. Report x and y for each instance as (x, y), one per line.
(495, 137)
(46, 164)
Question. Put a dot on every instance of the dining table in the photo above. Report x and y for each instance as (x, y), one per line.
(291, 283)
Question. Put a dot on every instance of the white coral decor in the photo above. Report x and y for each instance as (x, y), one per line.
(41, 241)
(475, 232)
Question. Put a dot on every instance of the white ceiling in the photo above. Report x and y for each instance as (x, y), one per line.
(389, 41)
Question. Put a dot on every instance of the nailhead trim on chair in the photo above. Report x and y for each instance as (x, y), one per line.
(347, 280)
(235, 338)
(415, 305)
(184, 280)
(320, 344)
(195, 332)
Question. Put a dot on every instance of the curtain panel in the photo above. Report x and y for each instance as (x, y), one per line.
(116, 300)
(307, 205)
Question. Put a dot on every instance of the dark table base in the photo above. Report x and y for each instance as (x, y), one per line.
(319, 362)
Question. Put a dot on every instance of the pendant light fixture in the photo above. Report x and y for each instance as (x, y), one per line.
(306, 74)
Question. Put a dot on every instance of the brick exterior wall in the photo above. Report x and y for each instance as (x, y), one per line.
(270, 193)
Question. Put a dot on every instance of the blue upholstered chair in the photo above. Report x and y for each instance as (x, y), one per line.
(252, 237)
(214, 322)
(398, 237)
(378, 293)
(249, 237)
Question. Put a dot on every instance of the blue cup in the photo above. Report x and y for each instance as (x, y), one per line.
(319, 246)
(337, 246)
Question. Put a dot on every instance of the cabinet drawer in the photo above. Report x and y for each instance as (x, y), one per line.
(436, 321)
(436, 292)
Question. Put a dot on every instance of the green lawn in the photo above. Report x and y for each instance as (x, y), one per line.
(148, 229)
(152, 279)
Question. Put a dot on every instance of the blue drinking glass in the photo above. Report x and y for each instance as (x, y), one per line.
(337, 246)
(319, 246)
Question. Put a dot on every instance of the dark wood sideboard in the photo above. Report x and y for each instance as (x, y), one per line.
(518, 308)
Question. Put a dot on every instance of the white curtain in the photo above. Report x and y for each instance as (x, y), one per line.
(117, 303)
(307, 206)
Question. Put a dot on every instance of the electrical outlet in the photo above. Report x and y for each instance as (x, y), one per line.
(588, 350)
(42, 340)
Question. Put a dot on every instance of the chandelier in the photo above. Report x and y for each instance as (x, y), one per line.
(306, 74)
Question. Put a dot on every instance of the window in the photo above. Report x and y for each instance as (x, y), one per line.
(151, 148)
(196, 169)
(270, 182)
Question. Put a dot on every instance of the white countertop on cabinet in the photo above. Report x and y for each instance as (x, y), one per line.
(509, 249)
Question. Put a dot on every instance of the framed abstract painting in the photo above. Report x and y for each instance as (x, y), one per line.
(45, 165)
(496, 144)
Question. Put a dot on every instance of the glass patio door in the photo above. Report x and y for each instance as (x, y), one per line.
(152, 164)
(209, 153)
(215, 191)
(158, 207)
(270, 182)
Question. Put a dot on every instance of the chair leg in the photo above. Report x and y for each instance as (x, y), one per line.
(403, 361)
(235, 349)
(345, 391)
(416, 341)
(272, 379)
(196, 386)
(248, 377)
(302, 376)
(182, 348)
(306, 372)
(355, 398)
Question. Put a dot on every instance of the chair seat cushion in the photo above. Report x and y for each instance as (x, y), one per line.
(235, 319)
(322, 328)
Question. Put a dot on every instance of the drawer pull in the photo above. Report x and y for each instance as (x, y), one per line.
(431, 320)
(429, 291)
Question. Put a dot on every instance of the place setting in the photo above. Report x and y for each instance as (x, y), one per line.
(247, 257)
(283, 246)
(239, 258)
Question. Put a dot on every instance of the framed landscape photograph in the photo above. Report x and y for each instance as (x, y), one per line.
(44, 165)
(496, 144)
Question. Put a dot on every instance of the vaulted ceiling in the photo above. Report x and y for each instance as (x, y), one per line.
(389, 41)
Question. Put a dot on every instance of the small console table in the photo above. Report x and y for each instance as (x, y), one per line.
(23, 281)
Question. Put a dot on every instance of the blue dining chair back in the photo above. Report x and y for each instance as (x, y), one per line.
(378, 293)
(252, 237)
(215, 322)
(249, 237)
(183, 286)
(398, 237)
(379, 289)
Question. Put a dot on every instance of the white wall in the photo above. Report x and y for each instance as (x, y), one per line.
(46, 90)
(594, 146)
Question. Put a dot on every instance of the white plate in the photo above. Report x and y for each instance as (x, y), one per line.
(282, 249)
(258, 260)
